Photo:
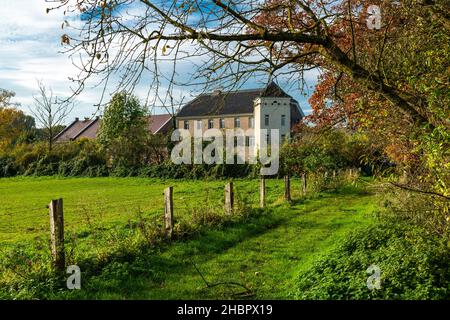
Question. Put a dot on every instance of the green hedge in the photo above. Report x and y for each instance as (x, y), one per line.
(413, 265)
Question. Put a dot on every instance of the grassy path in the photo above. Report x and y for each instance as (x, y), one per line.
(264, 254)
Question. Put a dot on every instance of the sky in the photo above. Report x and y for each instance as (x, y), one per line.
(30, 50)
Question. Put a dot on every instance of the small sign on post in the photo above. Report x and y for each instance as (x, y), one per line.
(229, 198)
(287, 188)
(168, 211)
(262, 192)
(57, 234)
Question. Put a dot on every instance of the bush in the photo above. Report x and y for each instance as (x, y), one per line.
(413, 264)
(7, 167)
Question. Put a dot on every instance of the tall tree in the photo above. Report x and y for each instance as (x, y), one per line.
(392, 79)
(15, 126)
(236, 39)
(123, 130)
(50, 112)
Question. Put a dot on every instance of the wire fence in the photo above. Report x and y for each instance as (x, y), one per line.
(83, 212)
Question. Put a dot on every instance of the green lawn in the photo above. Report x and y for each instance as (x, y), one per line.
(263, 252)
(107, 201)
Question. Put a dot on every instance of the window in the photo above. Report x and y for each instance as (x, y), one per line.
(283, 137)
(237, 122)
(266, 119)
(199, 124)
(283, 120)
(249, 141)
(210, 123)
(186, 124)
(268, 139)
(251, 122)
(222, 123)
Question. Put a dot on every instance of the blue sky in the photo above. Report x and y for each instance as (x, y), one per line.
(30, 50)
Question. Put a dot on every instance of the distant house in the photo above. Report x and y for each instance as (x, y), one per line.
(264, 108)
(88, 128)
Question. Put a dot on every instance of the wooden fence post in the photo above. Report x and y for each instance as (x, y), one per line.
(304, 184)
(229, 198)
(287, 188)
(262, 192)
(168, 211)
(57, 234)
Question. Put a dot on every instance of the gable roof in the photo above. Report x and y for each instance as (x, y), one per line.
(157, 122)
(76, 128)
(88, 128)
(226, 103)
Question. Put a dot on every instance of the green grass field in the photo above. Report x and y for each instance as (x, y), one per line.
(262, 252)
(107, 201)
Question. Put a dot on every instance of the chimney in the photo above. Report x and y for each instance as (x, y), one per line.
(217, 92)
(86, 118)
(76, 119)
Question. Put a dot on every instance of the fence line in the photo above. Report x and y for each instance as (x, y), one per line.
(57, 217)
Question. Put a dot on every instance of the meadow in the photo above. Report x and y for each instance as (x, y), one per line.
(254, 254)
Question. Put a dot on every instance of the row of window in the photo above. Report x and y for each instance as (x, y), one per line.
(237, 122)
(250, 140)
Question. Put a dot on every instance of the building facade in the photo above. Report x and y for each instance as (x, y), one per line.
(250, 110)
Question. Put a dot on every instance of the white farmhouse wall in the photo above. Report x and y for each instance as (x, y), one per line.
(275, 108)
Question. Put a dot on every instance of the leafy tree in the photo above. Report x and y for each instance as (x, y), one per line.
(391, 83)
(15, 126)
(156, 148)
(123, 129)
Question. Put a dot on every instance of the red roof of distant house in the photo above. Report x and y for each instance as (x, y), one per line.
(158, 121)
(88, 128)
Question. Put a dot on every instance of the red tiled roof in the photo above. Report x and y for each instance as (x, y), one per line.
(74, 129)
(156, 122)
(88, 128)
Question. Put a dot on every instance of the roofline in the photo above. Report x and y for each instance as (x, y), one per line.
(170, 118)
(66, 128)
(259, 90)
(298, 107)
(231, 91)
(85, 128)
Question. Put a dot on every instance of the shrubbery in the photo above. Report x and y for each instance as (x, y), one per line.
(413, 264)
(87, 158)
(316, 151)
